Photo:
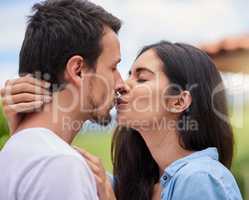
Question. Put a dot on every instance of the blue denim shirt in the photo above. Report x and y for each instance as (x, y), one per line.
(199, 176)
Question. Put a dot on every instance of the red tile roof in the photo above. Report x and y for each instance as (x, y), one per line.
(228, 44)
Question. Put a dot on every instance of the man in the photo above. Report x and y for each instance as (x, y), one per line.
(72, 44)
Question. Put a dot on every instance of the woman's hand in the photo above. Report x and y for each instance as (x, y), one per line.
(105, 191)
(23, 95)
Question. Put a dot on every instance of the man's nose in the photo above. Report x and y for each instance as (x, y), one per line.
(121, 87)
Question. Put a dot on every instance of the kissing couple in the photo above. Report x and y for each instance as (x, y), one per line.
(173, 140)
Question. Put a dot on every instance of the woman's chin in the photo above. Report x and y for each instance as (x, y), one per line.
(122, 120)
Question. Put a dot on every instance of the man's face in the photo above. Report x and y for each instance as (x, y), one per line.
(106, 78)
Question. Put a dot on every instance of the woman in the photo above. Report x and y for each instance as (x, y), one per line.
(174, 140)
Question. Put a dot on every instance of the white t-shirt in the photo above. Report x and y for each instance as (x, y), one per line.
(35, 164)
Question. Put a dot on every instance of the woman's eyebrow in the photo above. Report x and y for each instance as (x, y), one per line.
(139, 70)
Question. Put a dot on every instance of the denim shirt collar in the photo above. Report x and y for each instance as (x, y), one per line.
(178, 164)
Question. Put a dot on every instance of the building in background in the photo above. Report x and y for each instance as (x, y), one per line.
(230, 54)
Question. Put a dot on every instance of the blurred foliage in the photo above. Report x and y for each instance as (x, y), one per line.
(98, 144)
(240, 178)
(4, 130)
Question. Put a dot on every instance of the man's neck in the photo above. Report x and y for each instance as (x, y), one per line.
(64, 125)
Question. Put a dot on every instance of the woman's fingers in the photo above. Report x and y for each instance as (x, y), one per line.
(24, 107)
(25, 84)
(95, 169)
(25, 94)
(88, 156)
(98, 172)
(94, 162)
(104, 187)
(25, 88)
(25, 98)
(100, 183)
(29, 79)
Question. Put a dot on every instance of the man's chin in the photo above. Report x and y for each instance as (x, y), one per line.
(102, 120)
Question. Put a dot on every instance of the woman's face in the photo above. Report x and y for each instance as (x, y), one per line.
(143, 103)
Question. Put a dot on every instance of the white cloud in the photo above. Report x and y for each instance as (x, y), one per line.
(185, 21)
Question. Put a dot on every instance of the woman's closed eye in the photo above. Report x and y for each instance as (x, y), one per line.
(141, 80)
(143, 77)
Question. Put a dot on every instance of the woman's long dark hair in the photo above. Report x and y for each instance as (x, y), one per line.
(135, 170)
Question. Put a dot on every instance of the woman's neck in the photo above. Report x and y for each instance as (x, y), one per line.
(164, 147)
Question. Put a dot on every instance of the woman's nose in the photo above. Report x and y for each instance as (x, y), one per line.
(129, 83)
(122, 88)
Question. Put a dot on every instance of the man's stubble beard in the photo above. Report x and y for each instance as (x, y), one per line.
(97, 117)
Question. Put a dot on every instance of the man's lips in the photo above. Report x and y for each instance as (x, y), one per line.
(120, 103)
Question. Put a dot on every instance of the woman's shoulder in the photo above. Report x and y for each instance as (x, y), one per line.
(206, 177)
(204, 166)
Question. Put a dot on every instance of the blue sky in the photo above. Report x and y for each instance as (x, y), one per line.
(145, 21)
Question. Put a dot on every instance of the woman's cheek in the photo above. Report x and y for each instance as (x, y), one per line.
(142, 100)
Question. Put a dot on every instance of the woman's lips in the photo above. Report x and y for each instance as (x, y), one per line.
(120, 103)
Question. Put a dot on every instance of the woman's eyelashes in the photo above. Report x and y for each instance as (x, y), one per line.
(143, 76)
(138, 77)
(141, 80)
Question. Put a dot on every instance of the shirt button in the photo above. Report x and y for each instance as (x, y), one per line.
(165, 178)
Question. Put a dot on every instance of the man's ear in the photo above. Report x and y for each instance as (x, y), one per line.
(179, 103)
(74, 70)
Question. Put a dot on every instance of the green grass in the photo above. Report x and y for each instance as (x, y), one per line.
(98, 144)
